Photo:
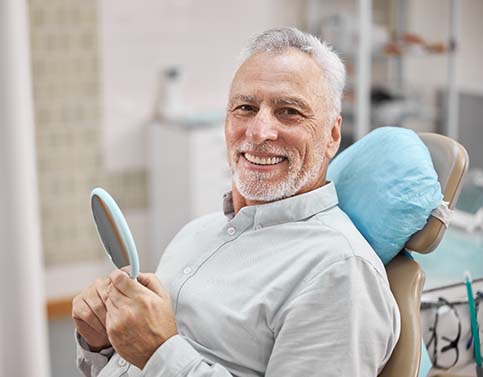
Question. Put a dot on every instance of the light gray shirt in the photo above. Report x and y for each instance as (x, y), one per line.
(289, 288)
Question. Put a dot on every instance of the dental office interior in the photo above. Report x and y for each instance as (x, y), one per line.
(131, 96)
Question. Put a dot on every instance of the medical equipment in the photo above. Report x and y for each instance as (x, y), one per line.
(474, 325)
(447, 326)
(114, 232)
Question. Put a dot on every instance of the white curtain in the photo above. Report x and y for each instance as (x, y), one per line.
(23, 327)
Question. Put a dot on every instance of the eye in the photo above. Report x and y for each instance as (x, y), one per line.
(289, 112)
(245, 109)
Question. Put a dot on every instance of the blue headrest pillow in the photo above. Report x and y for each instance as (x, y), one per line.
(387, 185)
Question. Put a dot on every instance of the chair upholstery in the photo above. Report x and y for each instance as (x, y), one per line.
(406, 278)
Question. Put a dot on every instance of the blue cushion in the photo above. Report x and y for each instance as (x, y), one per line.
(387, 185)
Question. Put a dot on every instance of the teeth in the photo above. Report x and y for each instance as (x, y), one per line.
(263, 160)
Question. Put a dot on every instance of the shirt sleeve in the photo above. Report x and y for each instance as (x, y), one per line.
(176, 357)
(91, 363)
(344, 322)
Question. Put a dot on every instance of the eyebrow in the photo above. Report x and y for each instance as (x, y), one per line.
(279, 101)
(244, 98)
(291, 101)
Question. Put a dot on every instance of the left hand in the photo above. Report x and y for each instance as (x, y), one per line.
(139, 316)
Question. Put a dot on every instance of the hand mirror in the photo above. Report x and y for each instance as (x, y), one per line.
(114, 232)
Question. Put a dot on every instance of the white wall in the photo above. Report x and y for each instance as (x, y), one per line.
(203, 37)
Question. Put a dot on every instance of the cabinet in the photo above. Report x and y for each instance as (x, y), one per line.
(358, 51)
(188, 175)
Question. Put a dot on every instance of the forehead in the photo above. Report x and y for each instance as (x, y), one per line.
(287, 73)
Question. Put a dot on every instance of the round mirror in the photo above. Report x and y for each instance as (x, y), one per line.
(114, 232)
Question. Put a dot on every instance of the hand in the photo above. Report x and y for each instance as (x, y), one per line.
(89, 314)
(139, 316)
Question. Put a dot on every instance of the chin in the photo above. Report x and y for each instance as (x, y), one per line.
(268, 191)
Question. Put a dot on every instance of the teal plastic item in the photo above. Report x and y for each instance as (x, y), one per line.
(425, 365)
(387, 185)
(106, 229)
(475, 332)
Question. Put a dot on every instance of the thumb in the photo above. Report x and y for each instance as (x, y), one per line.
(151, 282)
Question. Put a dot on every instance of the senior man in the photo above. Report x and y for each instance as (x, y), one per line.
(282, 283)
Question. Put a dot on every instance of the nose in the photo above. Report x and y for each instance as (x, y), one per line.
(262, 127)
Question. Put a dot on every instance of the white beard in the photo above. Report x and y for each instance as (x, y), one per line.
(259, 186)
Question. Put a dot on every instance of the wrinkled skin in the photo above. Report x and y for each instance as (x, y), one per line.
(89, 314)
(278, 108)
(135, 317)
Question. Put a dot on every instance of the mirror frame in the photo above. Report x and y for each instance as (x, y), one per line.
(121, 229)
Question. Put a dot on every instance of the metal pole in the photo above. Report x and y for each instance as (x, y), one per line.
(363, 71)
(400, 14)
(453, 97)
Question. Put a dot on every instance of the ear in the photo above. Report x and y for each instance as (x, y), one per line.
(334, 138)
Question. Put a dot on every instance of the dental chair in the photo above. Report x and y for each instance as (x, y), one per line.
(406, 278)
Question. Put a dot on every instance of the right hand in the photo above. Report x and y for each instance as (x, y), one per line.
(89, 314)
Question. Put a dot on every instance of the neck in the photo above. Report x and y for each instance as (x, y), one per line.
(239, 201)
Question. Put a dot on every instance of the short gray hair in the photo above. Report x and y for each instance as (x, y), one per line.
(278, 40)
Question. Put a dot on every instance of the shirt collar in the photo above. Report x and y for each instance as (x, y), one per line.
(291, 209)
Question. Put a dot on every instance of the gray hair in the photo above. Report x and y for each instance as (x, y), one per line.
(278, 40)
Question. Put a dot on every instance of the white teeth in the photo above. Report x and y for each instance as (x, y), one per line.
(263, 160)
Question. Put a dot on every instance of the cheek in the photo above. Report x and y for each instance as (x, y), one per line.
(300, 145)
(232, 138)
(234, 132)
(313, 151)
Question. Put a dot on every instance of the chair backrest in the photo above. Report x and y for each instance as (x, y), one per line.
(406, 278)
(450, 161)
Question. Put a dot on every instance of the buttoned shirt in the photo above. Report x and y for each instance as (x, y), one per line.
(288, 288)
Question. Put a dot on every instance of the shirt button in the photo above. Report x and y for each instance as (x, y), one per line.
(258, 227)
(122, 362)
(231, 231)
(187, 270)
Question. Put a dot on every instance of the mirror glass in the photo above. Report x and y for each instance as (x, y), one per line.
(114, 232)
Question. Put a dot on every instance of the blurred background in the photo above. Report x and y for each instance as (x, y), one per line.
(130, 96)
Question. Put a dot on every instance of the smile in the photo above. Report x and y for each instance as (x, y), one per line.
(263, 160)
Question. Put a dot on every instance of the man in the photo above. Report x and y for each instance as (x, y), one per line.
(282, 284)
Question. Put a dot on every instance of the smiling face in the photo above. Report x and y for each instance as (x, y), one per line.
(277, 129)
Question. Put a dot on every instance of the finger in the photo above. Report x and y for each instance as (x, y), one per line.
(111, 306)
(126, 269)
(97, 309)
(118, 298)
(114, 315)
(101, 297)
(94, 299)
(125, 284)
(87, 331)
(103, 292)
(151, 282)
(83, 311)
